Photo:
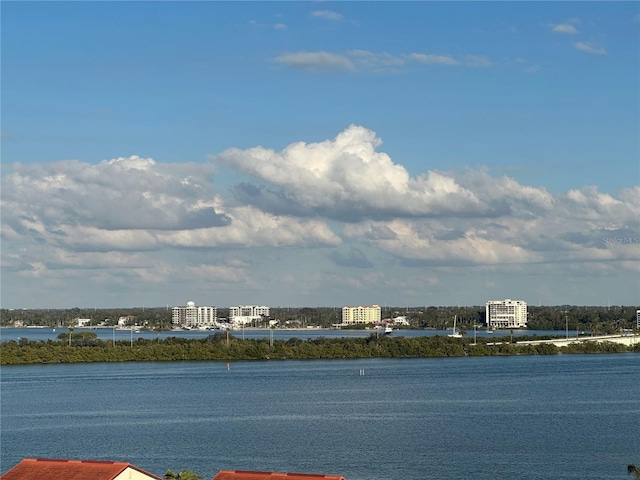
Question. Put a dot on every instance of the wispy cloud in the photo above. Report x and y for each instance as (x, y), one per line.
(433, 59)
(258, 24)
(316, 61)
(367, 61)
(565, 28)
(327, 15)
(477, 61)
(592, 48)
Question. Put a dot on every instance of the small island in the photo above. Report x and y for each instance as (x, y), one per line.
(84, 346)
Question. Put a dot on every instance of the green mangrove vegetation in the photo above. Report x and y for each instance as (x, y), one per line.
(86, 347)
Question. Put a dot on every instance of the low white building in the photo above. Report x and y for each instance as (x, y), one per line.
(192, 316)
(401, 320)
(126, 320)
(506, 314)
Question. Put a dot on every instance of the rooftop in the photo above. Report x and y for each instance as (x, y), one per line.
(56, 469)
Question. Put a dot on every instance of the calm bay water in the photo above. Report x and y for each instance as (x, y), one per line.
(43, 334)
(556, 417)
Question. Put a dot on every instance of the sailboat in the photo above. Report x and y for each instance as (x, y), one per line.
(455, 333)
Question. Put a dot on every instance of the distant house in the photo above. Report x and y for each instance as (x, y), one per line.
(126, 320)
(249, 475)
(50, 469)
(82, 322)
(402, 320)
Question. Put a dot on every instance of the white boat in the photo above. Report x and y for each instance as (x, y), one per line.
(383, 329)
(454, 332)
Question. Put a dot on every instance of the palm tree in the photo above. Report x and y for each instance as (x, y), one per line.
(182, 475)
(633, 470)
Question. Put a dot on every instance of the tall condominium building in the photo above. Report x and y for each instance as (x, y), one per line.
(506, 314)
(194, 317)
(361, 314)
(247, 314)
(249, 311)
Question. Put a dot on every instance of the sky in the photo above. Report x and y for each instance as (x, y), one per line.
(319, 153)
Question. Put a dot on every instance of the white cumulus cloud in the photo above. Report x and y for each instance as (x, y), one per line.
(348, 178)
(133, 221)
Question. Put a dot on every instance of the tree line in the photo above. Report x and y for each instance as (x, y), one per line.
(86, 347)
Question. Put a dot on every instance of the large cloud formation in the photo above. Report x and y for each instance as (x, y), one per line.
(348, 179)
(342, 194)
(496, 219)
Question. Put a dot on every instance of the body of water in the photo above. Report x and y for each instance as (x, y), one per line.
(532, 417)
(36, 334)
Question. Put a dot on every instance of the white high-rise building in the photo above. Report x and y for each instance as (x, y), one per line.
(361, 314)
(246, 314)
(194, 317)
(248, 311)
(507, 313)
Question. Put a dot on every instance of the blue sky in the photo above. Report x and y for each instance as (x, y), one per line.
(320, 153)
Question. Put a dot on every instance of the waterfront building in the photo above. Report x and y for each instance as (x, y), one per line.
(249, 311)
(126, 320)
(246, 314)
(192, 316)
(501, 314)
(401, 320)
(361, 314)
(82, 322)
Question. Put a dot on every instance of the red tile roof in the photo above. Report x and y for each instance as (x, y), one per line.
(51, 469)
(247, 475)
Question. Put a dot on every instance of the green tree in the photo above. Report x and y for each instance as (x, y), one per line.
(633, 470)
(182, 475)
